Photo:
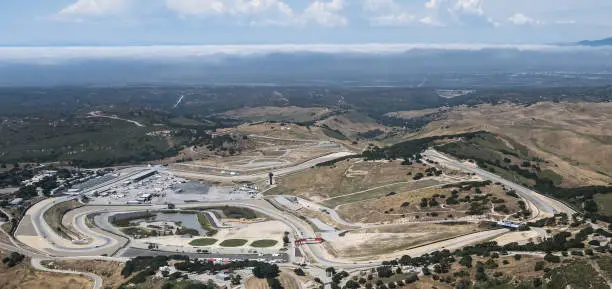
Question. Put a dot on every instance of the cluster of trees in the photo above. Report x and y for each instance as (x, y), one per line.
(13, 259)
(196, 266)
(14, 176)
(187, 284)
(264, 270)
(143, 262)
(411, 124)
(441, 260)
(408, 149)
(334, 161)
(371, 134)
(235, 212)
(580, 197)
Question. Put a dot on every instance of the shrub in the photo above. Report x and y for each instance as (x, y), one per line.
(539, 266)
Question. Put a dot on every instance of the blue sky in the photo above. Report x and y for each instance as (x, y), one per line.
(201, 22)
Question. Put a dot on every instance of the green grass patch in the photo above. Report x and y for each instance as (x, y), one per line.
(554, 177)
(235, 212)
(264, 243)
(138, 231)
(203, 242)
(333, 133)
(183, 121)
(233, 243)
(604, 204)
(205, 224)
(605, 264)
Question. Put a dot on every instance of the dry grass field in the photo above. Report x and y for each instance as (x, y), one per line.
(23, 276)
(109, 271)
(573, 137)
(366, 243)
(405, 204)
(382, 192)
(285, 279)
(275, 113)
(345, 177)
(275, 130)
(256, 283)
(352, 123)
(415, 113)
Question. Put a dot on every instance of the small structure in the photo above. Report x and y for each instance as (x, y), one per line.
(16, 202)
(271, 175)
(509, 224)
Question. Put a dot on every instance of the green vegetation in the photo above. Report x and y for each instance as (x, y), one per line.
(176, 283)
(203, 242)
(265, 270)
(187, 231)
(578, 274)
(604, 203)
(61, 130)
(138, 231)
(493, 153)
(12, 259)
(497, 154)
(333, 133)
(263, 243)
(205, 224)
(233, 243)
(605, 264)
(411, 148)
(126, 222)
(237, 212)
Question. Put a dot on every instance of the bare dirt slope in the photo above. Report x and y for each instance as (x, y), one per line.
(109, 271)
(23, 276)
(371, 242)
(575, 138)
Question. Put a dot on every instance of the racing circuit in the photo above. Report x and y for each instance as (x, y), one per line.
(99, 237)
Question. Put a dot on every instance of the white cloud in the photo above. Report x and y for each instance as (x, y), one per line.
(565, 22)
(264, 12)
(326, 13)
(197, 7)
(379, 5)
(469, 7)
(432, 4)
(462, 12)
(522, 19)
(427, 20)
(397, 19)
(229, 7)
(387, 13)
(94, 8)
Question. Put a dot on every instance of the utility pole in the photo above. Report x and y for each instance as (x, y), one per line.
(271, 175)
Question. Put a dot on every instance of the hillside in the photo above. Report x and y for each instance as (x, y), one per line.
(600, 42)
(573, 138)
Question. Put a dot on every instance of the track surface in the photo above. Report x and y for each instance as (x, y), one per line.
(544, 204)
(106, 240)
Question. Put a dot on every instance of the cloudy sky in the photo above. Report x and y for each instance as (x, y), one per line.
(174, 22)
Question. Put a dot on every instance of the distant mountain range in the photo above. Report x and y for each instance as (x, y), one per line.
(601, 42)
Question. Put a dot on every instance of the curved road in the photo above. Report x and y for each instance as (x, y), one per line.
(102, 241)
(544, 204)
(97, 280)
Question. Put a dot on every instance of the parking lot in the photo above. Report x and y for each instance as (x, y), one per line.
(164, 188)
